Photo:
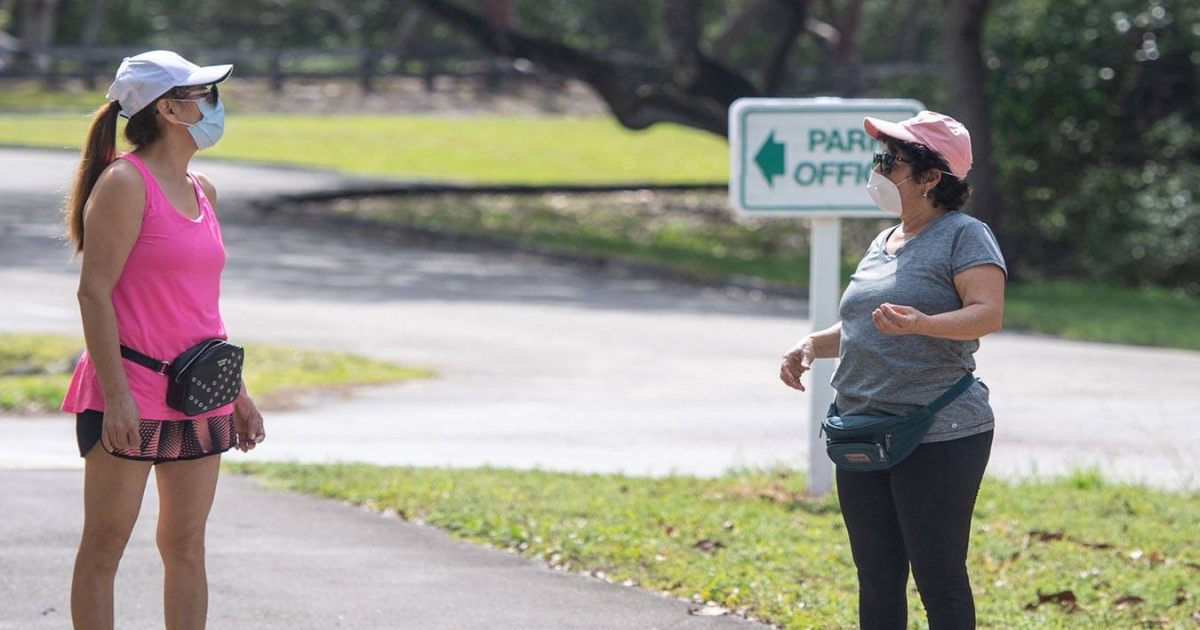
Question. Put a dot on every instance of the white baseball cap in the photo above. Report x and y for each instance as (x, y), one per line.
(142, 78)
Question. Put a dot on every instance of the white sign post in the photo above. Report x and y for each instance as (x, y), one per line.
(810, 158)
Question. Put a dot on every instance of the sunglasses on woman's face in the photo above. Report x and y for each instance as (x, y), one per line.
(207, 93)
(885, 161)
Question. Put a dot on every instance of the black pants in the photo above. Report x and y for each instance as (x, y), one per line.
(918, 512)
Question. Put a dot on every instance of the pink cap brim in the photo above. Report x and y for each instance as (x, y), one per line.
(876, 128)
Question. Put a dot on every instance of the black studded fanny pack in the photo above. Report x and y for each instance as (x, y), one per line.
(206, 376)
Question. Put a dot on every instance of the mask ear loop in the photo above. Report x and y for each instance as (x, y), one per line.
(926, 193)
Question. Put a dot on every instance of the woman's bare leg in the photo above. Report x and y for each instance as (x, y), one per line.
(112, 497)
(185, 497)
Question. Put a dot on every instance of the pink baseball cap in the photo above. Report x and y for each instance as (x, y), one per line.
(942, 134)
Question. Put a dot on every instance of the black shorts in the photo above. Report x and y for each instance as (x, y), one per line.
(163, 440)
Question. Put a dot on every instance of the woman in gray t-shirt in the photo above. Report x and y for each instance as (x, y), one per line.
(911, 318)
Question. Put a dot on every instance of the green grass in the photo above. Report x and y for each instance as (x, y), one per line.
(687, 232)
(36, 369)
(30, 96)
(491, 149)
(1074, 310)
(783, 557)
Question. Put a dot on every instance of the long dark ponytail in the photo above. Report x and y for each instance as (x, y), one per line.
(98, 152)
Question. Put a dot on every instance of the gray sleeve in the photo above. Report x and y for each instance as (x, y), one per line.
(975, 245)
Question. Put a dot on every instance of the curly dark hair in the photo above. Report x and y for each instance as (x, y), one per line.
(951, 192)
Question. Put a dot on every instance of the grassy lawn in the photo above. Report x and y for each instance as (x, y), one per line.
(690, 233)
(476, 149)
(36, 369)
(1149, 316)
(752, 542)
(31, 97)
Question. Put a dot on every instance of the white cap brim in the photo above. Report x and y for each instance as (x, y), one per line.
(208, 75)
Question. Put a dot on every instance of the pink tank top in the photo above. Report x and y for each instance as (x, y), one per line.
(166, 300)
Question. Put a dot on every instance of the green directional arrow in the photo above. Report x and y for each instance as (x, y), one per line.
(771, 160)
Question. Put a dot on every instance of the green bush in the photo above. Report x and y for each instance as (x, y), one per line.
(1094, 105)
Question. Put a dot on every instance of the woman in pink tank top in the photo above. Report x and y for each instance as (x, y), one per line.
(151, 280)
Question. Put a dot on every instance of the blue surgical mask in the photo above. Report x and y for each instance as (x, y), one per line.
(211, 126)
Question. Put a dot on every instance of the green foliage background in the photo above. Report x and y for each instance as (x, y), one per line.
(1094, 102)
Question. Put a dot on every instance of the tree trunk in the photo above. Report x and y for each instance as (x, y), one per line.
(38, 26)
(962, 41)
(775, 77)
(740, 25)
(94, 26)
(908, 42)
(92, 29)
(498, 12)
(841, 75)
(405, 32)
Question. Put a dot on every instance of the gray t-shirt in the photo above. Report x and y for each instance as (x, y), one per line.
(897, 374)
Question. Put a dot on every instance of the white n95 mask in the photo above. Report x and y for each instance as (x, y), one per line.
(884, 193)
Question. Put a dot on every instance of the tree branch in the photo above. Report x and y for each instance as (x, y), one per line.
(777, 66)
(740, 24)
(693, 91)
(681, 40)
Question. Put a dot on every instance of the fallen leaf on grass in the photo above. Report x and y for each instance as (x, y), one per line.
(1065, 599)
(1127, 601)
(1095, 545)
(1045, 536)
(779, 495)
(708, 611)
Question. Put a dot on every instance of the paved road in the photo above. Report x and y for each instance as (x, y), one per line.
(540, 366)
(279, 561)
(554, 367)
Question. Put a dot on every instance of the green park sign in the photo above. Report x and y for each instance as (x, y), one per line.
(805, 157)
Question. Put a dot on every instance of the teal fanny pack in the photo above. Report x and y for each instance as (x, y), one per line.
(864, 443)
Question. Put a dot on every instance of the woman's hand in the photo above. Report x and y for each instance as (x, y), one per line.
(891, 319)
(120, 427)
(248, 423)
(796, 362)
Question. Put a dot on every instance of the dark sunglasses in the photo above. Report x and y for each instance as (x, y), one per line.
(205, 92)
(885, 161)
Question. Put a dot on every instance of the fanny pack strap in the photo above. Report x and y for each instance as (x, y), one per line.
(145, 361)
(945, 399)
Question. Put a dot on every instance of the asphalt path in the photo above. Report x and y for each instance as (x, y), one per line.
(539, 366)
(554, 367)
